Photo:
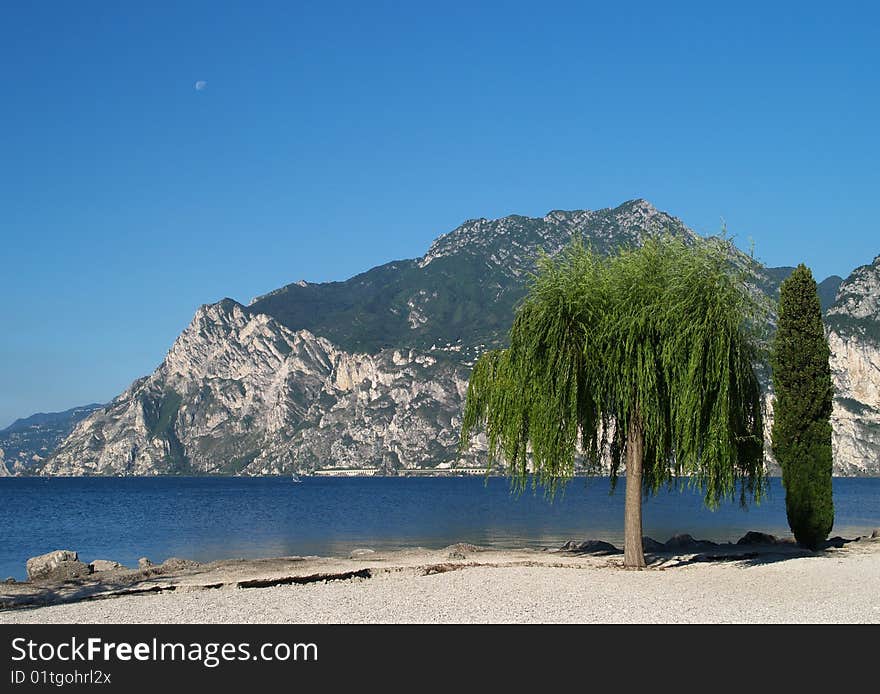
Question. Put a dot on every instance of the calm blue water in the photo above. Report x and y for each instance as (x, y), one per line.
(213, 518)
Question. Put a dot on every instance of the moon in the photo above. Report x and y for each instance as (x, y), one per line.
(200, 85)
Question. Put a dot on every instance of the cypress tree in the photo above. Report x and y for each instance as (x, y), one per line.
(644, 358)
(801, 434)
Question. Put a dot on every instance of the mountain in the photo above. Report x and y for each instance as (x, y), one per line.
(769, 279)
(828, 291)
(372, 372)
(463, 290)
(28, 441)
(853, 323)
(238, 391)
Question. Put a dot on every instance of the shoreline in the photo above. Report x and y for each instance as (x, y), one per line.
(465, 583)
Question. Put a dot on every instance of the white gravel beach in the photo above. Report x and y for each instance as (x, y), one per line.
(837, 586)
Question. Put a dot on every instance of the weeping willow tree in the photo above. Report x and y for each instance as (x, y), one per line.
(643, 359)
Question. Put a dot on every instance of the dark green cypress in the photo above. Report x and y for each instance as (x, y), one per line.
(802, 410)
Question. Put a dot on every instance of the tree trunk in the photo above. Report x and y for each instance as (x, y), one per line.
(633, 556)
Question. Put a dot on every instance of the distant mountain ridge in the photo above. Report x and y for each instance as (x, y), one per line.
(39, 419)
(370, 373)
(856, 311)
(28, 441)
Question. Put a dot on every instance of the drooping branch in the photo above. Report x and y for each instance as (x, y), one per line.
(664, 330)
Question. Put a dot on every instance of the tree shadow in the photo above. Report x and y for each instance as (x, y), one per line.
(746, 555)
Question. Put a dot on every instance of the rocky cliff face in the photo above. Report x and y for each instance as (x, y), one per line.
(238, 392)
(854, 338)
(372, 372)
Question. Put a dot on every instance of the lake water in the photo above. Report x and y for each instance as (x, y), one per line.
(215, 518)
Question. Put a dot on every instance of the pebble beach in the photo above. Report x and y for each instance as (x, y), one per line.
(421, 586)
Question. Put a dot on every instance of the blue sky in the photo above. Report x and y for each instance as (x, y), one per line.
(331, 137)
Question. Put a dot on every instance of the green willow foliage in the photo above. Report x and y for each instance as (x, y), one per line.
(663, 333)
(804, 396)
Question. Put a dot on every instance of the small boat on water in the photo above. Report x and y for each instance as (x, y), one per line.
(293, 476)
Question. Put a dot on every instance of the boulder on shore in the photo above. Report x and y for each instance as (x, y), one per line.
(598, 547)
(144, 563)
(649, 544)
(105, 565)
(755, 538)
(60, 565)
(687, 542)
(876, 534)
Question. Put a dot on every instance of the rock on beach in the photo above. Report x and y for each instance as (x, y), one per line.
(60, 565)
